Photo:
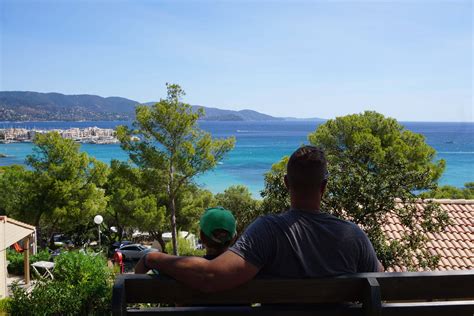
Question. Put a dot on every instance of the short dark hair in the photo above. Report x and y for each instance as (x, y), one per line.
(209, 243)
(307, 169)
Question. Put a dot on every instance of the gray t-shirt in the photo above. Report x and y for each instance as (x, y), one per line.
(298, 244)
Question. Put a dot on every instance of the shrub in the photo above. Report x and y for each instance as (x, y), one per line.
(82, 285)
(16, 261)
(185, 248)
(5, 304)
(47, 298)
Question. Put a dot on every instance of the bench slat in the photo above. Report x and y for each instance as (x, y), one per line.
(257, 291)
(325, 310)
(458, 308)
(455, 308)
(423, 287)
(369, 288)
(394, 286)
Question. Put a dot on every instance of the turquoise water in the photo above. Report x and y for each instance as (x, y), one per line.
(260, 144)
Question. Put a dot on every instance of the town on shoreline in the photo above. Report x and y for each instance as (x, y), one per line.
(88, 135)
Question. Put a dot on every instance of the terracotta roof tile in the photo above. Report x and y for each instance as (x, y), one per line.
(468, 263)
(460, 261)
(454, 245)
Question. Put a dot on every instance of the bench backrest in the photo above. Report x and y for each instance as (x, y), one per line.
(449, 291)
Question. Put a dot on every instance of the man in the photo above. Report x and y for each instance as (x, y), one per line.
(302, 242)
(218, 230)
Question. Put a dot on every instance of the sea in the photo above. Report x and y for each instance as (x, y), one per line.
(260, 144)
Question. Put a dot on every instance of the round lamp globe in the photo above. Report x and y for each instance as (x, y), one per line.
(98, 219)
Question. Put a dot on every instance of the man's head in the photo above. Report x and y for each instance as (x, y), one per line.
(306, 173)
(218, 229)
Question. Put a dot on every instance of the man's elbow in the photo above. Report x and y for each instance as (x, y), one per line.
(211, 284)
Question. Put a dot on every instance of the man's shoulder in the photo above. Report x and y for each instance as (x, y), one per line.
(269, 222)
(347, 224)
(289, 217)
(275, 218)
(352, 231)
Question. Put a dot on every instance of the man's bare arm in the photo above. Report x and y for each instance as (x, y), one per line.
(224, 272)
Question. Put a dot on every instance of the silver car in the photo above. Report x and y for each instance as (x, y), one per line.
(135, 251)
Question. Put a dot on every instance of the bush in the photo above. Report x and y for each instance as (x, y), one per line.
(16, 260)
(185, 248)
(5, 304)
(82, 285)
(47, 298)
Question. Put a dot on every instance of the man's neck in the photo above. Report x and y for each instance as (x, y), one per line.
(308, 210)
(306, 205)
(307, 202)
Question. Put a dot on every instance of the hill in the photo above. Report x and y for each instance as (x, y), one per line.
(36, 106)
(28, 106)
(215, 114)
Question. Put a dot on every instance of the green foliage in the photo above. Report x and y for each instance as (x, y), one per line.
(238, 199)
(82, 285)
(135, 204)
(450, 192)
(68, 181)
(191, 203)
(275, 195)
(16, 262)
(132, 204)
(62, 189)
(16, 183)
(185, 248)
(47, 298)
(374, 162)
(5, 305)
(171, 146)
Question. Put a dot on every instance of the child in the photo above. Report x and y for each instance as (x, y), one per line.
(218, 231)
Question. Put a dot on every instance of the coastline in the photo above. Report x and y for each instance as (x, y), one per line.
(265, 143)
(92, 135)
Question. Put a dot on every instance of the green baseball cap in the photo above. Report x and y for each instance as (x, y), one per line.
(218, 218)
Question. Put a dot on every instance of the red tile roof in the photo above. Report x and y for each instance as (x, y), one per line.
(455, 244)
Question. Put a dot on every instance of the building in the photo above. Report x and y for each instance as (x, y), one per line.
(455, 244)
(12, 231)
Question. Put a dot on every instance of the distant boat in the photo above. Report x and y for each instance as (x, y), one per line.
(449, 142)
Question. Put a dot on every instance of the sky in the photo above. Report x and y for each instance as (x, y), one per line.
(411, 60)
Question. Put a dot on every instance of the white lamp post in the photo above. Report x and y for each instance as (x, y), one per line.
(98, 219)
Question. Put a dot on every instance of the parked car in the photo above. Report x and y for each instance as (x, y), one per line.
(135, 251)
(116, 245)
(59, 240)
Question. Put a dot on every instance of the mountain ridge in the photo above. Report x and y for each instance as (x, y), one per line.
(38, 106)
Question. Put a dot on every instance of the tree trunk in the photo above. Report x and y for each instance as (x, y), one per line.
(158, 237)
(173, 226)
(39, 231)
(119, 233)
(171, 195)
(37, 219)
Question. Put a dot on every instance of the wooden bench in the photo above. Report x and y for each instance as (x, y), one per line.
(410, 293)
